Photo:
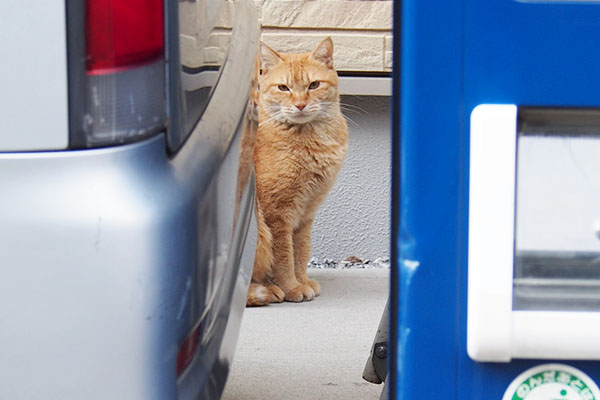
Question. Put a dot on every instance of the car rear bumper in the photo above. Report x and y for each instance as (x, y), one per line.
(109, 257)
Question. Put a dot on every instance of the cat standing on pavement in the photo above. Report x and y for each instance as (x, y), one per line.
(300, 147)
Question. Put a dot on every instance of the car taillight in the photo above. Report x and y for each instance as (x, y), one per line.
(188, 350)
(122, 34)
(119, 93)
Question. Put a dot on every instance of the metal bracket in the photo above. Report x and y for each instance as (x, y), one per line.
(376, 369)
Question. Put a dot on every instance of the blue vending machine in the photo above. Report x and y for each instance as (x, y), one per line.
(496, 208)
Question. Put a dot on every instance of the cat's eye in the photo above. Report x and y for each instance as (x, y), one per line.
(314, 85)
(283, 88)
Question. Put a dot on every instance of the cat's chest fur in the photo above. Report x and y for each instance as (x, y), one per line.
(297, 166)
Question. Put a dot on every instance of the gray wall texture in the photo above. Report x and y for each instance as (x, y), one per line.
(355, 218)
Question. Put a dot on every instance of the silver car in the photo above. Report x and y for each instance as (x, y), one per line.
(127, 192)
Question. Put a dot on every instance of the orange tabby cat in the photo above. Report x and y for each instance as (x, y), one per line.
(300, 147)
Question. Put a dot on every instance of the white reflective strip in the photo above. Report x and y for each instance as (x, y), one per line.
(33, 76)
(491, 231)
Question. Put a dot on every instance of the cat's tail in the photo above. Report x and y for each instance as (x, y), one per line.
(262, 294)
(258, 293)
(263, 260)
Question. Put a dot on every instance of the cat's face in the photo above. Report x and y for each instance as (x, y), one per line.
(298, 88)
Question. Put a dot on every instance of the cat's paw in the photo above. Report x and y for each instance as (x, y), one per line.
(302, 292)
(276, 294)
(315, 286)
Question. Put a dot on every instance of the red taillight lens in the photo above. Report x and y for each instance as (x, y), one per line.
(123, 91)
(188, 350)
(123, 33)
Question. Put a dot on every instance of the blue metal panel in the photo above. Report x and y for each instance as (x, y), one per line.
(531, 53)
(454, 56)
(431, 153)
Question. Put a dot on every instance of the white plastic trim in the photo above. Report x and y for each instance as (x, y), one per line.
(494, 331)
(491, 231)
(555, 335)
(365, 86)
(33, 76)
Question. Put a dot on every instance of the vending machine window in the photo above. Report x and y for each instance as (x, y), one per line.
(557, 238)
(534, 233)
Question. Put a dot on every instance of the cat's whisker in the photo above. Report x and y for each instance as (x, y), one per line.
(274, 117)
(355, 110)
(329, 103)
(262, 123)
(352, 112)
(346, 107)
(353, 123)
(352, 106)
(328, 107)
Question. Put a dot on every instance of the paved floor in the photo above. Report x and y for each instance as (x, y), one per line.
(315, 350)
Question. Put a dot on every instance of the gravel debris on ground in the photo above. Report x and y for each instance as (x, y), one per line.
(349, 262)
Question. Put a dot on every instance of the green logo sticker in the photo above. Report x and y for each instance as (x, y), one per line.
(552, 382)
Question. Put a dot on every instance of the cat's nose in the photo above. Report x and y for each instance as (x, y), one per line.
(300, 106)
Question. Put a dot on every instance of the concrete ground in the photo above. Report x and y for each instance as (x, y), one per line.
(315, 350)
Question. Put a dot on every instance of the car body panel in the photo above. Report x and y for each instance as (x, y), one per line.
(146, 257)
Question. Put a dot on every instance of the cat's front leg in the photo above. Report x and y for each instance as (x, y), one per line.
(301, 240)
(283, 266)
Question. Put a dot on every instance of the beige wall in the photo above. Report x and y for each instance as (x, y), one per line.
(360, 29)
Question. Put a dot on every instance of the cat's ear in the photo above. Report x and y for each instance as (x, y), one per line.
(268, 57)
(324, 52)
